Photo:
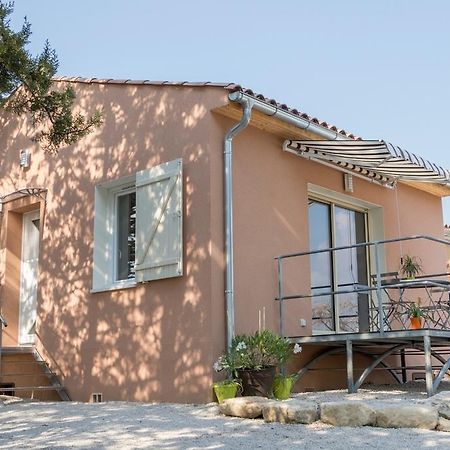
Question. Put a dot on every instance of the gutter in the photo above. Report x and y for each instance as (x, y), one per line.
(248, 103)
(285, 116)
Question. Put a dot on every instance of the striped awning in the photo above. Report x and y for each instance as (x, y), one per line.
(378, 160)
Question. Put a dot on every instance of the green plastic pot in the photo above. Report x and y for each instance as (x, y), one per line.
(225, 390)
(282, 386)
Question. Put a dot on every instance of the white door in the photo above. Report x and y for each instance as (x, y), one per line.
(28, 277)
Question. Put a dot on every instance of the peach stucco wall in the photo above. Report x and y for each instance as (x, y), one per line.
(155, 341)
(271, 219)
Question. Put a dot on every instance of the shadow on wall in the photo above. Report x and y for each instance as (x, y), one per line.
(150, 342)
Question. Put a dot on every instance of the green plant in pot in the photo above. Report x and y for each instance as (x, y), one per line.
(228, 388)
(415, 316)
(411, 266)
(254, 359)
(283, 384)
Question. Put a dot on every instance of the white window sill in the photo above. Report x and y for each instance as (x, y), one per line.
(115, 287)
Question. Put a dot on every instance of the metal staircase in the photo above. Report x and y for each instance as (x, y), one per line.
(24, 373)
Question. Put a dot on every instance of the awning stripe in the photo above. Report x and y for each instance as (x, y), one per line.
(379, 157)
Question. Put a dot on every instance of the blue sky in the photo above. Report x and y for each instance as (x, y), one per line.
(380, 69)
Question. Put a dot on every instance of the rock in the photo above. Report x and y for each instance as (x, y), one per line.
(442, 402)
(411, 415)
(246, 407)
(441, 397)
(443, 424)
(444, 411)
(7, 399)
(347, 414)
(291, 411)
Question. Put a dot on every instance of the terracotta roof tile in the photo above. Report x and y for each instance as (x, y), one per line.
(233, 87)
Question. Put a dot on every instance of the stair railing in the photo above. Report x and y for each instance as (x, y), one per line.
(3, 324)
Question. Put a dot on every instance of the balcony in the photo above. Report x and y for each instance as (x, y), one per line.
(357, 295)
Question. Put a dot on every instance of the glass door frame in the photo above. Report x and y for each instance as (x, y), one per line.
(332, 229)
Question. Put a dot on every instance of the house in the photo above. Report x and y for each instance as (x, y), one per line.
(117, 274)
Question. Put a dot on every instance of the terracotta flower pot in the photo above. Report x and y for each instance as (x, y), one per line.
(257, 382)
(416, 323)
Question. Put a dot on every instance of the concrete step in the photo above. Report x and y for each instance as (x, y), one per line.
(17, 350)
(24, 371)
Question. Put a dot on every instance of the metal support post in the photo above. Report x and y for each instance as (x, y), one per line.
(428, 366)
(280, 295)
(350, 383)
(379, 296)
(403, 364)
(3, 324)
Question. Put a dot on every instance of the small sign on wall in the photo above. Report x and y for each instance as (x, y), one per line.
(24, 158)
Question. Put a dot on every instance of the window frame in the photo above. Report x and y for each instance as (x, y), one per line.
(332, 204)
(119, 192)
(158, 248)
(105, 235)
(375, 216)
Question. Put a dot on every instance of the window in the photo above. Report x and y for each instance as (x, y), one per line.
(138, 228)
(125, 250)
(333, 225)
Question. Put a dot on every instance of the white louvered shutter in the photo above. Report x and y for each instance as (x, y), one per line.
(159, 222)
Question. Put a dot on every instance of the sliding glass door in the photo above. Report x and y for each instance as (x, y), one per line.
(332, 225)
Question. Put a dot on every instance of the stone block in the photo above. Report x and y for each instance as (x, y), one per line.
(411, 415)
(441, 397)
(291, 411)
(347, 414)
(443, 424)
(245, 407)
(442, 402)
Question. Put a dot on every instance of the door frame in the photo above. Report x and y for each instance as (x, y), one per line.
(29, 339)
(333, 203)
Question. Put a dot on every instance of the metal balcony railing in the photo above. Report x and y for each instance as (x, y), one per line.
(382, 295)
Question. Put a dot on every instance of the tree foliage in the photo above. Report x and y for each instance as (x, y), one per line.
(26, 87)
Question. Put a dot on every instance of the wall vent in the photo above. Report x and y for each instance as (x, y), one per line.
(348, 182)
(96, 397)
(418, 376)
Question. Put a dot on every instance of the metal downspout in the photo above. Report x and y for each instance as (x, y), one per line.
(247, 105)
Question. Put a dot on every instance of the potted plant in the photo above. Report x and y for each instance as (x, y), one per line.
(226, 389)
(283, 384)
(410, 267)
(254, 358)
(415, 316)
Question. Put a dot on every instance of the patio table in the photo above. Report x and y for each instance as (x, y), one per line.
(436, 312)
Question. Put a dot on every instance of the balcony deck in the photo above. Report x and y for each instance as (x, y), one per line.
(438, 337)
(428, 342)
(386, 321)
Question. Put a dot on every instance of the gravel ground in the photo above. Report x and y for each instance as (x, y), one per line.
(175, 426)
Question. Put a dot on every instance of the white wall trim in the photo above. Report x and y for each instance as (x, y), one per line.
(103, 276)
